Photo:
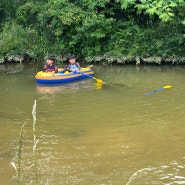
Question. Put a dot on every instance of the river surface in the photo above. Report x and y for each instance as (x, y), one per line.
(83, 133)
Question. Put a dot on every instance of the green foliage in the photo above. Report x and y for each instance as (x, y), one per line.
(134, 40)
(126, 3)
(8, 10)
(14, 39)
(164, 9)
(93, 4)
(27, 13)
(77, 29)
(96, 27)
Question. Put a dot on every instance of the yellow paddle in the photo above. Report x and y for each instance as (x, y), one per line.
(157, 90)
(97, 80)
(167, 86)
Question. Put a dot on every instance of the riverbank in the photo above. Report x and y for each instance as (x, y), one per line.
(105, 60)
(136, 60)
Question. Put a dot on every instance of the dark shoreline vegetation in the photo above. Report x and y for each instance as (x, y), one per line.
(104, 60)
(99, 31)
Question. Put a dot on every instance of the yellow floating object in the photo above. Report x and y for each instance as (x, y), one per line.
(167, 86)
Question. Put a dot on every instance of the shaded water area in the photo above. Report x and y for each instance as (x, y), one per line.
(81, 133)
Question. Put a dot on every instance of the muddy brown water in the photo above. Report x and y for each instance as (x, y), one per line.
(92, 134)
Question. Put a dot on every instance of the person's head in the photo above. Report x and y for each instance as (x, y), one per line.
(50, 60)
(72, 59)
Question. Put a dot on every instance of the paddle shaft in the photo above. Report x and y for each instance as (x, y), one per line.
(97, 80)
(152, 92)
(87, 75)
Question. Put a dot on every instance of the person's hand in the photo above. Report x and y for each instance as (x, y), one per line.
(73, 70)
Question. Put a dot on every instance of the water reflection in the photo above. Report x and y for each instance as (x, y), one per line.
(11, 68)
(98, 86)
(65, 87)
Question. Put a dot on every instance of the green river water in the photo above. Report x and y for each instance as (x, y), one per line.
(85, 134)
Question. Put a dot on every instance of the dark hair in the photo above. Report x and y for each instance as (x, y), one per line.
(71, 57)
(51, 58)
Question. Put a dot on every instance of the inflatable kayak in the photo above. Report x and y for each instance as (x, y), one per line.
(61, 77)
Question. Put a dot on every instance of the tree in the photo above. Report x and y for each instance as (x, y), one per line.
(98, 27)
(164, 9)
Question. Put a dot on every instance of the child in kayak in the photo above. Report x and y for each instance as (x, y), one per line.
(73, 65)
(50, 66)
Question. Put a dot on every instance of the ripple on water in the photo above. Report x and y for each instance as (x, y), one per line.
(174, 173)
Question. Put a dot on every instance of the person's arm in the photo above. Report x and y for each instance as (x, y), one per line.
(69, 67)
(45, 67)
(56, 69)
(78, 65)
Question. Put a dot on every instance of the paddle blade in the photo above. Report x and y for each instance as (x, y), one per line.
(98, 80)
(167, 86)
(98, 86)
